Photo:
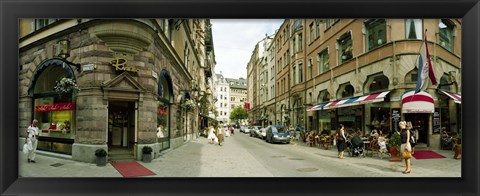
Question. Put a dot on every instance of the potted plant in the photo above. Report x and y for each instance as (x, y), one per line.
(394, 144)
(458, 146)
(147, 154)
(189, 105)
(101, 155)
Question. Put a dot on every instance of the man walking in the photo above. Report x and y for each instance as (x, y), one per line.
(32, 140)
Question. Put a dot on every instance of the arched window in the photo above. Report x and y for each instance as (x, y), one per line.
(54, 111)
(376, 83)
(345, 90)
(165, 98)
(412, 76)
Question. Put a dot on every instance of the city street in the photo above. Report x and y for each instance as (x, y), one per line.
(244, 156)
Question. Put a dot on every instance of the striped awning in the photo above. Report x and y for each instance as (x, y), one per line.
(316, 107)
(371, 98)
(420, 102)
(457, 98)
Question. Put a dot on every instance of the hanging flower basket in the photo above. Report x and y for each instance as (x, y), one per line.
(65, 86)
(189, 105)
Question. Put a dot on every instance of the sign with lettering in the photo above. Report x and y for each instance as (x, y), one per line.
(395, 119)
(121, 65)
(436, 121)
(55, 107)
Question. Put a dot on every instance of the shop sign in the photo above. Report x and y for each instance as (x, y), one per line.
(55, 107)
(436, 121)
(120, 64)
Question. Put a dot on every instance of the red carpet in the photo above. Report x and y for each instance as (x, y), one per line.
(131, 169)
(426, 154)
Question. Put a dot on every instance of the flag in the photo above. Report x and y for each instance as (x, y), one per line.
(425, 69)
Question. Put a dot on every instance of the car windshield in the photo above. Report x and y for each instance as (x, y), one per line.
(279, 129)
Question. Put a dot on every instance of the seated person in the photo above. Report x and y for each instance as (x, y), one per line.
(325, 132)
(373, 134)
(382, 142)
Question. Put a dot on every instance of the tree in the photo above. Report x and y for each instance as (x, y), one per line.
(238, 113)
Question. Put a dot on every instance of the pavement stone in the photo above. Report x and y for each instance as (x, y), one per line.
(229, 160)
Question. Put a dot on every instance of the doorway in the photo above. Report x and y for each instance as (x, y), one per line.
(419, 123)
(121, 125)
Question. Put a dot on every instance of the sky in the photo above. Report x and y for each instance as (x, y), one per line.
(234, 41)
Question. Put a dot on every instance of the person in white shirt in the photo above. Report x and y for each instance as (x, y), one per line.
(32, 140)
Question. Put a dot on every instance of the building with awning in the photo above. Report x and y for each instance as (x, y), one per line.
(420, 102)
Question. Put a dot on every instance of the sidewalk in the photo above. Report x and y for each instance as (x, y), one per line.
(438, 167)
(189, 160)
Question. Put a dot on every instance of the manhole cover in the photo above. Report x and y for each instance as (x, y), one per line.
(277, 156)
(307, 169)
(296, 159)
(56, 165)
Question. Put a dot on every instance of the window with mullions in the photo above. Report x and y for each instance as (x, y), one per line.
(323, 62)
(376, 35)
(446, 34)
(345, 47)
(40, 23)
(300, 42)
(413, 29)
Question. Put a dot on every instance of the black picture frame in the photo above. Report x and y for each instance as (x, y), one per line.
(11, 11)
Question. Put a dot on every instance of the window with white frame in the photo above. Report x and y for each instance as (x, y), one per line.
(300, 42)
(413, 29)
(317, 23)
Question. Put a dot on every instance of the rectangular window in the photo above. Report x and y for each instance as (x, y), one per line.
(376, 32)
(345, 48)
(311, 33)
(318, 27)
(288, 56)
(323, 61)
(413, 29)
(294, 45)
(40, 23)
(294, 74)
(300, 72)
(328, 23)
(310, 65)
(300, 42)
(446, 34)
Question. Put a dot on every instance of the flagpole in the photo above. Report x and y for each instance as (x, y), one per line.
(416, 61)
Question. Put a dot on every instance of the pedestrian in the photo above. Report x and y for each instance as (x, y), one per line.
(341, 141)
(211, 135)
(32, 141)
(160, 131)
(219, 135)
(405, 137)
(232, 130)
(412, 137)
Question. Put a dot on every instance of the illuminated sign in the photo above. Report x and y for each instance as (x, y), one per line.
(120, 65)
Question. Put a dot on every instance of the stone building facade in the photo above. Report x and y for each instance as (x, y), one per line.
(134, 77)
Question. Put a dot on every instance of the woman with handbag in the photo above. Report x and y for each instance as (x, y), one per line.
(341, 142)
(405, 147)
(412, 136)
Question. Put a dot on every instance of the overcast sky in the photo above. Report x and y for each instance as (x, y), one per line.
(234, 41)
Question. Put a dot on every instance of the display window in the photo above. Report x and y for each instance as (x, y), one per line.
(350, 117)
(324, 121)
(380, 119)
(55, 117)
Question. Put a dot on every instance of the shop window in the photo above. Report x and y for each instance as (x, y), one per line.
(413, 29)
(54, 112)
(345, 47)
(446, 34)
(376, 32)
(380, 120)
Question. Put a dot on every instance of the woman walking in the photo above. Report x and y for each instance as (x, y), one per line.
(405, 137)
(341, 141)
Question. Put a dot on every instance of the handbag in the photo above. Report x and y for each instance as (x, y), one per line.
(25, 148)
(406, 154)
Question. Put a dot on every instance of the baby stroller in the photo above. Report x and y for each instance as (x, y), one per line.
(356, 147)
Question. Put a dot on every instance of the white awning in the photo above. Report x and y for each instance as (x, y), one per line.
(457, 98)
(421, 102)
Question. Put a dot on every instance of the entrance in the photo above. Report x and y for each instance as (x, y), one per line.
(121, 125)
(419, 123)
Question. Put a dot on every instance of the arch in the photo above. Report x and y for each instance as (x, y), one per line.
(46, 64)
(323, 96)
(412, 76)
(165, 80)
(376, 83)
(345, 90)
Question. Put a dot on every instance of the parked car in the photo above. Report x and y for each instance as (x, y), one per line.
(262, 133)
(277, 133)
(253, 131)
(244, 129)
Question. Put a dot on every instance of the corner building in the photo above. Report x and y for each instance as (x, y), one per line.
(133, 76)
(360, 73)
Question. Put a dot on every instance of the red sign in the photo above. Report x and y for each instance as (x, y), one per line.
(55, 107)
(246, 105)
(162, 111)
